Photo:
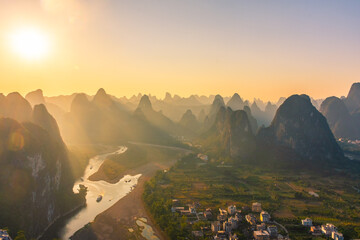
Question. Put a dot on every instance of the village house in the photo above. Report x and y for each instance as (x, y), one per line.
(177, 209)
(192, 210)
(227, 227)
(261, 226)
(4, 235)
(215, 226)
(223, 212)
(203, 157)
(251, 219)
(238, 216)
(337, 236)
(315, 230)
(261, 235)
(233, 237)
(234, 222)
(232, 209)
(221, 218)
(272, 230)
(264, 216)
(328, 229)
(306, 222)
(256, 207)
(221, 235)
(208, 214)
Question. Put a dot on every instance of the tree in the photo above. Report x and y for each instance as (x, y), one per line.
(20, 235)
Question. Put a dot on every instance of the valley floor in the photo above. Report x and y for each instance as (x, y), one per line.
(326, 196)
(119, 221)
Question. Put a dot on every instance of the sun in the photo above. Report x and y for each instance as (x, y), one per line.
(30, 43)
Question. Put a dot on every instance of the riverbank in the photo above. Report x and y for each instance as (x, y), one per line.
(119, 221)
(58, 223)
(80, 154)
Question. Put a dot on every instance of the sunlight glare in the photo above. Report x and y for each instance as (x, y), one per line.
(30, 43)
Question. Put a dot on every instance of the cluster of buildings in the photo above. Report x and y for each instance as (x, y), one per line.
(263, 228)
(256, 223)
(188, 210)
(230, 221)
(329, 230)
(4, 235)
(354, 142)
(203, 157)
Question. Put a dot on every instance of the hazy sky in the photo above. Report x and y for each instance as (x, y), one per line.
(261, 49)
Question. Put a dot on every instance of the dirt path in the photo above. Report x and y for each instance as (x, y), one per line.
(118, 221)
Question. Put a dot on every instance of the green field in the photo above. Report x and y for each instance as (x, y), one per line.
(283, 193)
(115, 166)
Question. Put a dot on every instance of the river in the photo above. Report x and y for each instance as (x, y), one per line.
(111, 193)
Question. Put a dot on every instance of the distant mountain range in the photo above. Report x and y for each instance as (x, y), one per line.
(103, 118)
(298, 127)
(36, 180)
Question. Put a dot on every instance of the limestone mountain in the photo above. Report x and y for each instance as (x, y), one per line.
(189, 121)
(256, 111)
(35, 97)
(342, 123)
(270, 109)
(316, 102)
(201, 117)
(103, 120)
(44, 119)
(214, 109)
(216, 105)
(252, 120)
(280, 101)
(300, 127)
(2, 104)
(235, 102)
(145, 104)
(264, 117)
(156, 118)
(260, 103)
(16, 107)
(168, 97)
(230, 135)
(102, 99)
(36, 180)
(62, 101)
(352, 100)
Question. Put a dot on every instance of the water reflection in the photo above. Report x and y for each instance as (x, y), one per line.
(146, 230)
(111, 193)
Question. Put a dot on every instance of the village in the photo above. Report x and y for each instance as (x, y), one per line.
(252, 223)
(4, 235)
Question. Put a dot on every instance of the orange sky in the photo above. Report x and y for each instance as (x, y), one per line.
(204, 47)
